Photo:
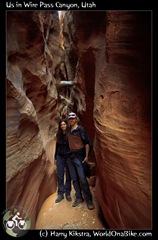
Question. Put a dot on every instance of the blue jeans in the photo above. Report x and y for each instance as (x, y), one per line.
(77, 175)
(61, 168)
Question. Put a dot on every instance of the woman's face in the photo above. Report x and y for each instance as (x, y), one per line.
(63, 126)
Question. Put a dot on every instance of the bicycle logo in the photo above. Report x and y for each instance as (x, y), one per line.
(16, 221)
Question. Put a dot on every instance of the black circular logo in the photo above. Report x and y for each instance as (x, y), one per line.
(16, 222)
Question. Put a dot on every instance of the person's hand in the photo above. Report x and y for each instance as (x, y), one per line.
(85, 160)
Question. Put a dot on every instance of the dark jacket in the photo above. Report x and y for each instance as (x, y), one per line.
(62, 146)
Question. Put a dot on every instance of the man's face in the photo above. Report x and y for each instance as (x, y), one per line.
(72, 121)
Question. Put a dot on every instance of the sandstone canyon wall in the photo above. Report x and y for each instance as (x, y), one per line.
(99, 66)
(33, 52)
(113, 70)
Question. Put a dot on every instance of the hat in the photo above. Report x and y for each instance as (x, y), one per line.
(72, 115)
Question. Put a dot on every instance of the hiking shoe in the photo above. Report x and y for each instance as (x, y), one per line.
(59, 198)
(90, 205)
(68, 197)
(77, 202)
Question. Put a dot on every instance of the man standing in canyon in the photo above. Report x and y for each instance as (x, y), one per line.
(79, 147)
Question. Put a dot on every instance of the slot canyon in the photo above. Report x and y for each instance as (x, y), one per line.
(98, 65)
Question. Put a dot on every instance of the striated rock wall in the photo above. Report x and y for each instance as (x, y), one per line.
(122, 113)
(108, 54)
(98, 66)
(33, 53)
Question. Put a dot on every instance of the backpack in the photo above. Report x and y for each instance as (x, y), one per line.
(90, 145)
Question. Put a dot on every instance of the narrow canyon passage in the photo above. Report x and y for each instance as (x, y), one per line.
(98, 65)
(63, 216)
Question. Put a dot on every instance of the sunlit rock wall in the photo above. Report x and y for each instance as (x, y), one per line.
(33, 53)
(108, 54)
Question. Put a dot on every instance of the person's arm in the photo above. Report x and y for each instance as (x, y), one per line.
(56, 148)
(86, 142)
(87, 152)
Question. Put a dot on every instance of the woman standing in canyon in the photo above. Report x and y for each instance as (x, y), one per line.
(61, 155)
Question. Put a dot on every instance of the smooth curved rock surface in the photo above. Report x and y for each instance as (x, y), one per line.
(114, 70)
(107, 54)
